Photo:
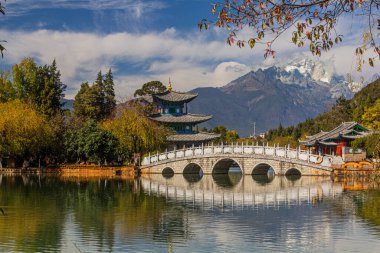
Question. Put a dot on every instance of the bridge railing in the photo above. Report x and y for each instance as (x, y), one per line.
(281, 152)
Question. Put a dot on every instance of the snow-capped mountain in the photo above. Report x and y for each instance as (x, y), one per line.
(307, 72)
(286, 94)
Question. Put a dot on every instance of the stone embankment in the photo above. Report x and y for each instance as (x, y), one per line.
(76, 170)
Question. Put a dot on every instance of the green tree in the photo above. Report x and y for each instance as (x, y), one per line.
(109, 93)
(7, 91)
(222, 130)
(98, 94)
(91, 143)
(23, 131)
(232, 136)
(136, 132)
(86, 103)
(40, 86)
(313, 23)
(25, 80)
(149, 88)
(370, 143)
(96, 102)
(51, 90)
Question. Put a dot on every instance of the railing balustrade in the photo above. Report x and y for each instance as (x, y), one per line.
(281, 152)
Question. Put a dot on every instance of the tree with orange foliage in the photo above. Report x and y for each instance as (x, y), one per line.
(313, 23)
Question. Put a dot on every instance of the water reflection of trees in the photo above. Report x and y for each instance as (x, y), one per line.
(368, 206)
(366, 197)
(34, 215)
(362, 196)
(101, 210)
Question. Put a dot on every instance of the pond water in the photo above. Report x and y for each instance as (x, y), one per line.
(220, 213)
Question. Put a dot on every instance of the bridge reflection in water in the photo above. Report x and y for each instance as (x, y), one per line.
(236, 191)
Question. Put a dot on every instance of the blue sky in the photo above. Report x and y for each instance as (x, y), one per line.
(140, 40)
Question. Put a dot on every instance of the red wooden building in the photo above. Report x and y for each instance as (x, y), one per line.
(337, 141)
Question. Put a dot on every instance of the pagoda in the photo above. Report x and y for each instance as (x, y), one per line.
(338, 141)
(170, 109)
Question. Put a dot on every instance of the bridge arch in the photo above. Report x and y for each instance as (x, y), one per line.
(263, 179)
(223, 165)
(263, 168)
(192, 172)
(167, 172)
(192, 168)
(293, 174)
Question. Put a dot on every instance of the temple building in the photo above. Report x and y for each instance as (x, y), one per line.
(170, 109)
(338, 141)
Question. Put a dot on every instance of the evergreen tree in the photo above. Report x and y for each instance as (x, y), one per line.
(109, 92)
(39, 86)
(51, 95)
(149, 88)
(97, 101)
(99, 95)
(86, 103)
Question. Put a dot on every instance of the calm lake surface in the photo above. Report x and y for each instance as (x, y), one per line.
(226, 213)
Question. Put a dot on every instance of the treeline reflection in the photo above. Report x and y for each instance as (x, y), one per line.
(44, 213)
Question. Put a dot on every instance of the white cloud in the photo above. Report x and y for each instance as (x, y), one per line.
(138, 7)
(191, 60)
(81, 55)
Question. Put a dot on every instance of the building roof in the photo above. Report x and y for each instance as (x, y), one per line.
(348, 130)
(198, 137)
(187, 118)
(174, 96)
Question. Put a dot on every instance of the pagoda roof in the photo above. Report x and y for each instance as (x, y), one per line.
(186, 118)
(348, 130)
(198, 137)
(174, 96)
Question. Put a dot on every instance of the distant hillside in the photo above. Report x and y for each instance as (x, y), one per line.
(344, 110)
(286, 95)
(69, 104)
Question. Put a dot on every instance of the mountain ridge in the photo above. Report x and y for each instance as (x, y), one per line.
(272, 96)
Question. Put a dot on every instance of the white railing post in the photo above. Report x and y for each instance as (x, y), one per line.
(274, 150)
(222, 148)
(242, 147)
(286, 152)
(149, 158)
(193, 150)
(308, 155)
(158, 157)
(203, 150)
(298, 152)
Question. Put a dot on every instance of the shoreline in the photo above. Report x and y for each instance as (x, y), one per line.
(131, 171)
(75, 170)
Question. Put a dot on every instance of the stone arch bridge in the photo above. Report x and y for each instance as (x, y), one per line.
(250, 160)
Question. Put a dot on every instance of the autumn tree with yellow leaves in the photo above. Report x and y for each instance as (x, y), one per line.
(136, 132)
(371, 118)
(23, 131)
